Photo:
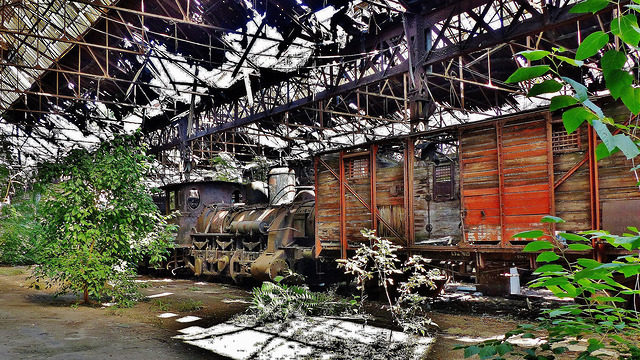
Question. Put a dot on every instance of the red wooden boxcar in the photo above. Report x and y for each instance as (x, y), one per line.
(470, 188)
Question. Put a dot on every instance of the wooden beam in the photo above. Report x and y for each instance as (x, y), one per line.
(499, 125)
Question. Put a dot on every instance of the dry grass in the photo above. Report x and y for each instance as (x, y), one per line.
(12, 271)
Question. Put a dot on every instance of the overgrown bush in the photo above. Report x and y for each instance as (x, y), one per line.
(98, 221)
(380, 260)
(20, 231)
(276, 301)
(598, 313)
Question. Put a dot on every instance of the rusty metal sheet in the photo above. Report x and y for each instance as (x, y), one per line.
(617, 215)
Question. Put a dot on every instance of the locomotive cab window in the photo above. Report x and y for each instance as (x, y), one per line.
(194, 198)
(443, 182)
(173, 200)
(236, 197)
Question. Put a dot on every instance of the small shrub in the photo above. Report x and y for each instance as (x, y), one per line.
(99, 221)
(597, 313)
(408, 308)
(380, 260)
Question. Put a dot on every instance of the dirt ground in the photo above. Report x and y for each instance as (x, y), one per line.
(464, 330)
(36, 325)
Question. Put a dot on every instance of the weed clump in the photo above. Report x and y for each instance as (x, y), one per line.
(188, 305)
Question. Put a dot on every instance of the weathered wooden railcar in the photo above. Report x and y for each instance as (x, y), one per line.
(470, 188)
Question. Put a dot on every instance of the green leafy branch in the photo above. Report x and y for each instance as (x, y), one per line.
(615, 67)
(597, 312)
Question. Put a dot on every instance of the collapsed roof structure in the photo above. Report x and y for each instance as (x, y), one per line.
(273, 78)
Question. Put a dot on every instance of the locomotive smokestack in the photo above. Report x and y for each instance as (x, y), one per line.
(282, 186)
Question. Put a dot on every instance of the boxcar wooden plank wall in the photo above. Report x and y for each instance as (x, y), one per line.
(358, 217)
(390, 191)
(527, 183)
(617, 186)
(480, 185)
(571, 195)
(328, 204)
(505, 178)
(573, 190)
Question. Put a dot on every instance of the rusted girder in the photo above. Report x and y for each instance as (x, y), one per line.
(367, 72)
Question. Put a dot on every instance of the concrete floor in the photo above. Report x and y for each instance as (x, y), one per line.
(36, 325)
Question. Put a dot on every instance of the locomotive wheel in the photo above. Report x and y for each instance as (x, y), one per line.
(197, 268)
(222, 263)
(232, 265)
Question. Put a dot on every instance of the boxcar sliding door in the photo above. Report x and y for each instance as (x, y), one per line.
(360, 189)
(506, 179)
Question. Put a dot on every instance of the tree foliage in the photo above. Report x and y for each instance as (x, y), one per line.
(611, 56)
(19, 226)
(598, 315)
(20, 230)
(98, 220)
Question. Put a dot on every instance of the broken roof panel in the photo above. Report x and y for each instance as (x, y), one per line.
(33, 36)
(267, 77)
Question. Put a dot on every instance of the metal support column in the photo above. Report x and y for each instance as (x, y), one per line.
(343, 210)
(373, 179)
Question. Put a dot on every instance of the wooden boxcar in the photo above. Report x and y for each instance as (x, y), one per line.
(471, 187)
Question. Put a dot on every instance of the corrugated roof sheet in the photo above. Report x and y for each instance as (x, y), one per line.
(34, 33)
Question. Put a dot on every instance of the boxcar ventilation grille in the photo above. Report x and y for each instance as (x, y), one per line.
(357, 168)
(443, 183)
(563, 142)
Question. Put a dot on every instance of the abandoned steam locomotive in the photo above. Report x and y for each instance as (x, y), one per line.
(239, 230)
